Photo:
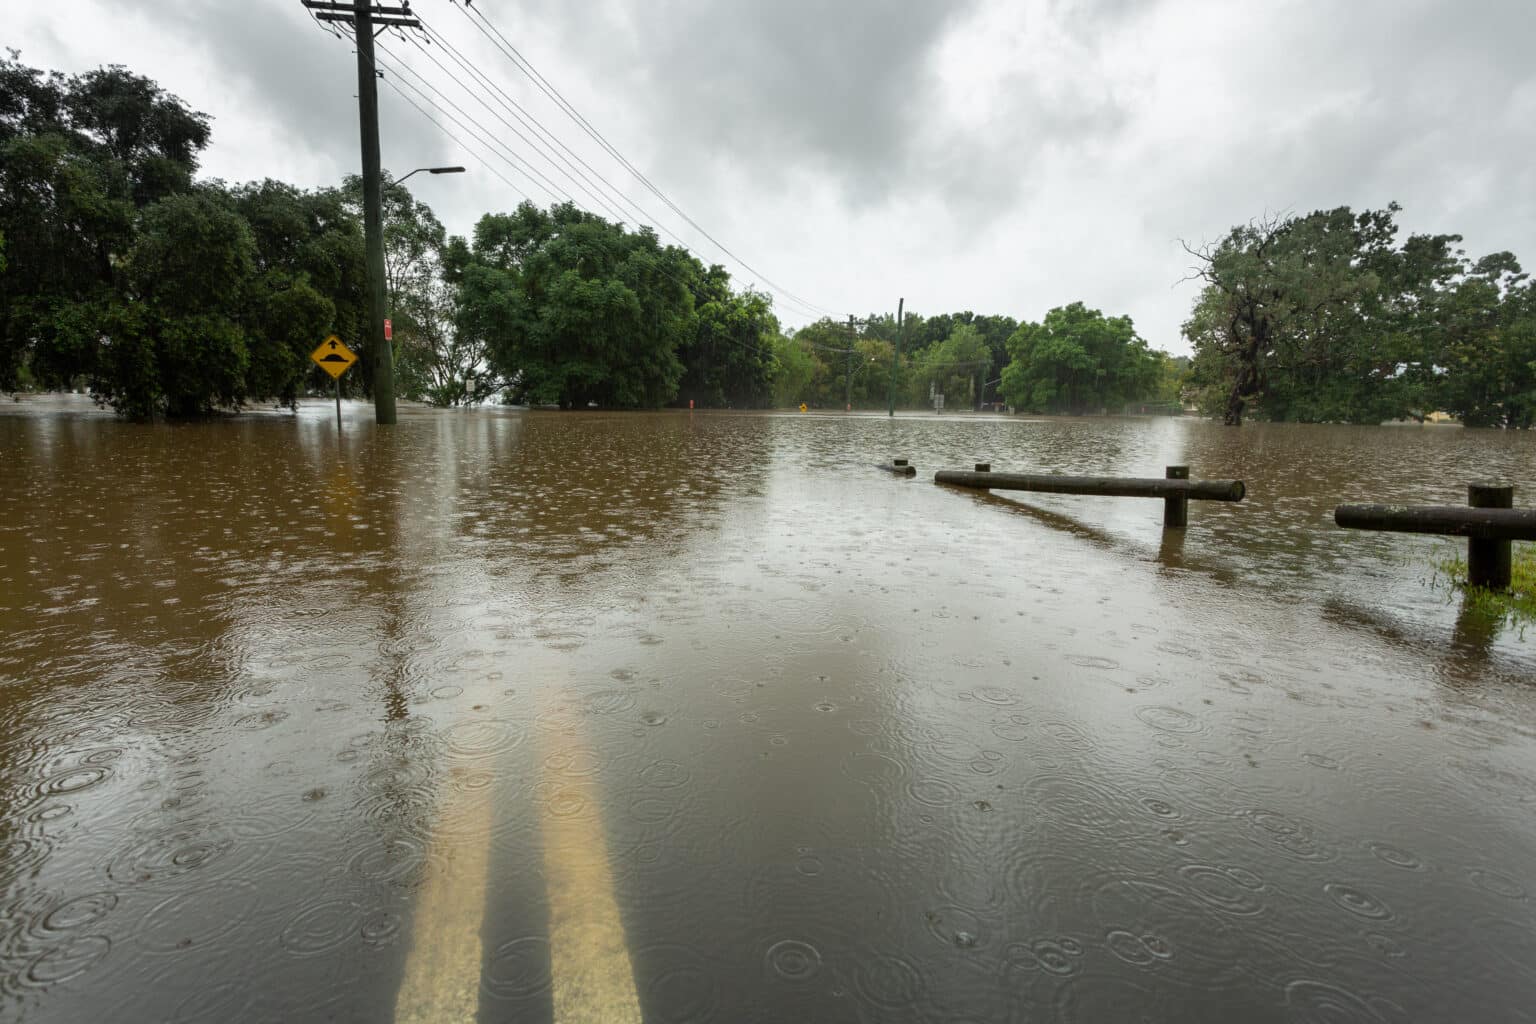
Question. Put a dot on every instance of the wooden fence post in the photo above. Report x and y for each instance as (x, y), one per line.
(1488, 560)
(1176, 507)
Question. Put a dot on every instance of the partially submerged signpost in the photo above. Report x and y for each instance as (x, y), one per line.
(334, 358)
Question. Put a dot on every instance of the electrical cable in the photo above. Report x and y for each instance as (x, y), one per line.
(522, 63)
(550, 186)
(344, 32)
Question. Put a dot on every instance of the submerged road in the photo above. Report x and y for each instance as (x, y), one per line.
(518, 716)
(592, 978)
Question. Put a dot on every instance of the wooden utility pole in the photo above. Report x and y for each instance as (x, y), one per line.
(848, 369)
(901, 329)
(853, 333)
(367, 18)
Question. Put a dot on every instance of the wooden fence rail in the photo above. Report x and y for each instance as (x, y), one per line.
(1176, 489)
(1489, 522)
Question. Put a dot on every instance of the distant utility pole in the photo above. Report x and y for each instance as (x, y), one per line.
(848, 369)
(901, 329)
(853, 333)
(367, 20)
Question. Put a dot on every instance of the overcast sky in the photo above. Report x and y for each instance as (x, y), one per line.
(1004, 156)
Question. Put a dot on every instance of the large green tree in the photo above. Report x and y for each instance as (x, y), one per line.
(175, 343)
(79, 157)
(1327, 317)
(575, 310)
(955, 367)
(1486, 351)
(309, 279)
(728, 362)
(795, 371)
(1078, 360)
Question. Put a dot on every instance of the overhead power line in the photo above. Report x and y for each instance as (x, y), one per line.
(500, 41)
(601, 190)
(420, 85)
(533, 124)
(389, 81)
(487, 139)
(474, 128)
(534, 145)
(385, 65)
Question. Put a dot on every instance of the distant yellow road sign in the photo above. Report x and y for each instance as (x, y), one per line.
(334, 357)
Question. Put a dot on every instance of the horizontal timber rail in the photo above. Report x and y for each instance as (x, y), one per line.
(898, 466)
(1489, 522)
(1176, 489)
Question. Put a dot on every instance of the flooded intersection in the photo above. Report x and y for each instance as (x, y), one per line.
(663, 717)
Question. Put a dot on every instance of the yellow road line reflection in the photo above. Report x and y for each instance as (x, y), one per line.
(589, 958)
(442, 971)
(593, 981)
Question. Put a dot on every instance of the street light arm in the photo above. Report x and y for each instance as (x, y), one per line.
(432, 170)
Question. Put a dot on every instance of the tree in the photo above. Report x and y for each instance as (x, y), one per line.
(955, 367)
(577, 311)
(1327, 317)
(1266, 283)
(175, 344)
(729, 360)
(164, 296)
(826, 343)
(1487, 351)
(795, 369)
(1078, 360)
(424, 270)
(309, 280)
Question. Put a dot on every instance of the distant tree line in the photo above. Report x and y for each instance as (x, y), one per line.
(162, 294)
(122, 273)
(1076, 360)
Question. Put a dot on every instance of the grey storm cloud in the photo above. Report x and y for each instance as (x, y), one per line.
(837, 88)
(284, 66)
(996, 155)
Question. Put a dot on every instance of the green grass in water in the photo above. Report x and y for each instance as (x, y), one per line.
(1518, 606)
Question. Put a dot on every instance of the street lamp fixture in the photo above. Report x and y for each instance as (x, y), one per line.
(433, 170)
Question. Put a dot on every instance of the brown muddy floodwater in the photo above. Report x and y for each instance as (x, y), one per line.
(586, 717)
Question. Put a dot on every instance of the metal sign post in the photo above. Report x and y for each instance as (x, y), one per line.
(335, 359)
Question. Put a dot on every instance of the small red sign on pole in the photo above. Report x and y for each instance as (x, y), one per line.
(389, 331)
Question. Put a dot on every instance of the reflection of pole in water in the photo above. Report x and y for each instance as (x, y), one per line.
(1170, 553)
(588, 951)
(393, 657)
(1477, 625)
(442, 971)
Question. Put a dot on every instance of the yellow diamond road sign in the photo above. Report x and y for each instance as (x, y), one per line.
(334, 357)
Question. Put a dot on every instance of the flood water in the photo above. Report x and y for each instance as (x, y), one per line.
(595, 717)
